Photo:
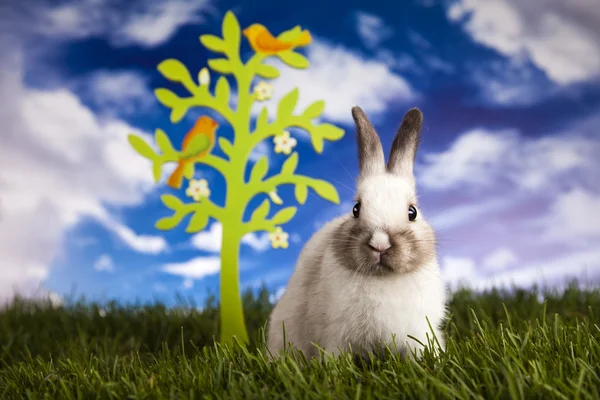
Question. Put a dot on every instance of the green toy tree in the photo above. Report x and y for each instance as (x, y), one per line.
(197, 149)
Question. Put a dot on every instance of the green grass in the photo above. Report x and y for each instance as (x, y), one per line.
(501, 345)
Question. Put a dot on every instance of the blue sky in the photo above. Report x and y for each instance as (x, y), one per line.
(507, 170)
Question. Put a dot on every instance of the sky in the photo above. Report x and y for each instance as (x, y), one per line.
(507, 169)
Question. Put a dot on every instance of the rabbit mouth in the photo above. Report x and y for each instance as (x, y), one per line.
(382, 268)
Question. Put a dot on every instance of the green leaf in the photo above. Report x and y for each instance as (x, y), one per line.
(286, 106)
(178, 113)
(259, 170)
(326, 190)
(222, 90)
(141, 146)
(231, 33)
(291, 34)
(163, 142)
(221, 65)
(283, 215)
(196, 146)
(294, 59)
(267, 71)
(301, 192)
(157, 170)
(261, 211)
(290, 164)
(168, 223)
(226, 146)
(214, 43)
(174, 70)
(263, 119)
(171, 201)
(317, 142)
(330, 132)
(166, 97)
(198, 222)
(314, 110)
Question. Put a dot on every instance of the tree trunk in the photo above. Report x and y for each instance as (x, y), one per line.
(232, 312)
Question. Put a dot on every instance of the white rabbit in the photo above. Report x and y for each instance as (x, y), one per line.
(370, 277)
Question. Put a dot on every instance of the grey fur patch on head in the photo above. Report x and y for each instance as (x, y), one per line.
(371, 159)
(406, 142)
(407, 254)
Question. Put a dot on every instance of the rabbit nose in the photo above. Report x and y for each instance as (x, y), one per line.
(380, 242)
(380, 248)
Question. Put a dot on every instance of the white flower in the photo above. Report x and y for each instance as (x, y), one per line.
(279, 238)
(197, 189)
(284, 143)
(102, 313)
(204, 77)
(275, 197)
(263, 91)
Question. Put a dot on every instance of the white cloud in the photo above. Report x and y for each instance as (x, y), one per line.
(458, 271)
(259, 243)
(58, 163)
(163, 20)
(573, 215)
(436, 63)
(141, 243)
(465, 213)
(262, 149)
(274, 297)
(142, 23)
(372, 29)
(561, 38)
(121, 91)
(343, 79)
(188, 283)
(104, 264)
(418, 40)
(210, 240)
(472, 158)
(196, 268)
(508, 82)
(484, 159)
(552, 272)
(584, 266)
(499, 259)
(402, 62)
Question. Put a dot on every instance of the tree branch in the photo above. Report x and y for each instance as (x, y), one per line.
(210, 208)
(202, 210)
(257, 226)
(273, 182)
(261, 223)
(203, 98)
(277, 126)
(218, 163)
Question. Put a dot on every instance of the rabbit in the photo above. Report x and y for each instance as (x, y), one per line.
(370, 278)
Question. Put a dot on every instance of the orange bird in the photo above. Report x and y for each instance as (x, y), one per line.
(203, 136)
(262, 41)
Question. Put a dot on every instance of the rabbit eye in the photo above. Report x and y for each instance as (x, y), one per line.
(356, 210)
(412, 213)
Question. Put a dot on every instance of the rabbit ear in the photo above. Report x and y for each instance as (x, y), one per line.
(370, 152)
(404, 147)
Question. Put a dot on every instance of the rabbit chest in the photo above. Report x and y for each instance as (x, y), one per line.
(369, 311)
